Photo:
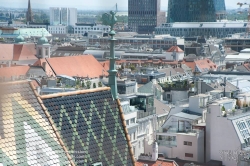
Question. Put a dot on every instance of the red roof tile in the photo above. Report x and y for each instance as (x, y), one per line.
(24, 52)
(81, 66)
(7, 72)
(175, 48)
(48, 70)
(6, 52)
(158, 162)
(202, 64)
(105, 65)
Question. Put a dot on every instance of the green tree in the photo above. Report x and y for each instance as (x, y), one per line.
(83, 84)
(99, 84)
(88, 84)
(223, 108)
(132, 67)
(94, 85)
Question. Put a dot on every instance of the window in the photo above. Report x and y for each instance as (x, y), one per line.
(189, 155)
(187, 143)
(132, 120)
(127, 122)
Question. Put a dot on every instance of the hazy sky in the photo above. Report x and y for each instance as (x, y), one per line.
(90, 4)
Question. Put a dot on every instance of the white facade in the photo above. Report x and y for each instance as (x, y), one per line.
(177, 138)
(223, 138)
(81, 30)
(55, 16)
(141, 131)
(63, 16)
(28, 26)
(43, 51)
(57, 29)
(72, 16)
(189, 29)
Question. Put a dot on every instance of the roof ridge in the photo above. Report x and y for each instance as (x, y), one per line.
(14, 82)
(126, 131)
(78, 92)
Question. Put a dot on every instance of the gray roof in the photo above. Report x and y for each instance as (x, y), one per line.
(187, 116)
(160, 107)
(36, 71)
(169, 71)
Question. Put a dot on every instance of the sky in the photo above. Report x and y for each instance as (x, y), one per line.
(90, 4)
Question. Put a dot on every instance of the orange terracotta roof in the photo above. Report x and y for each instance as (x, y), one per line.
(7, 72)
(202, 64)
(6, 52)
(48, 70)
(105, 65)
(81, 66)
(24, 52)
(158, 162)
(175, 48)
(34, 82)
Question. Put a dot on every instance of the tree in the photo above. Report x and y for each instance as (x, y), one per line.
(94, 85)
(223, 108)
(100, 84)
(88, 84)
(83, 84)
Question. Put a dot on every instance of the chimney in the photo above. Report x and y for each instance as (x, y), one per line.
(155, 151)
(44, 66)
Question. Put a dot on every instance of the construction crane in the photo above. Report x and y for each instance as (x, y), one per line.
(248, 17)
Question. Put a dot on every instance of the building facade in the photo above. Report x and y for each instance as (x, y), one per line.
(63, 16)
(82, 29)
(144, 15)
(206, 29)
(57, 29)
(195, 10)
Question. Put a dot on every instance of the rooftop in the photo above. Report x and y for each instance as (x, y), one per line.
(158, 162)
(187, 116)
(80, 66)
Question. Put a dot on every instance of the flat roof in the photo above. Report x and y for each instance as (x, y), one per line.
(187, 116)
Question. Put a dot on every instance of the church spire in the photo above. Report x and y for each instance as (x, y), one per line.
(29, 13)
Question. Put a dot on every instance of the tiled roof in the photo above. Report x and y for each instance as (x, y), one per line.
(6, 52)
(160, 107)
(24, 52)
(48, 70)
(204, 65)
(81, 66)
(7, 72)
(90, 121)
(175, 48)
(105, 65)
(26, 134)
(158, 162)
(17, 52)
